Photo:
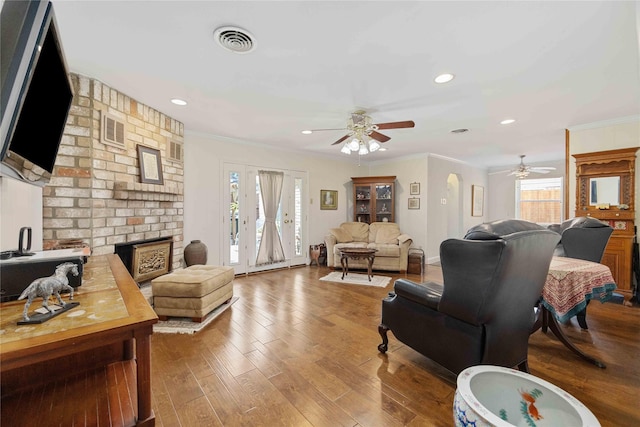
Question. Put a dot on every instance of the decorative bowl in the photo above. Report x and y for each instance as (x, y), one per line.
(503, 397)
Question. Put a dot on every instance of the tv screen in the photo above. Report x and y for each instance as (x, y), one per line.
(36, 90)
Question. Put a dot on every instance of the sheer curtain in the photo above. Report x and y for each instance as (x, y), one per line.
(270, 250)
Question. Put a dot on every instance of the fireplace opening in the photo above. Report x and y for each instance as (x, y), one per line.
(146, 259)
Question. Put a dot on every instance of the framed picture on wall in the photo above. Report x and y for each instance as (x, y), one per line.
(414, 203)
(150, 165)
(328, 199)
(477, 200)
(414, 188)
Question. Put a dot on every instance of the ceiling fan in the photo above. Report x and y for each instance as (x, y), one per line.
(522, 170)
(363, 135)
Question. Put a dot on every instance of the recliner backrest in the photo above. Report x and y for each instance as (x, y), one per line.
(496, 229)
(583, 238)
(496, 281)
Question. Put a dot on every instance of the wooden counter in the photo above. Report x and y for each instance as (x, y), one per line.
(96, 337)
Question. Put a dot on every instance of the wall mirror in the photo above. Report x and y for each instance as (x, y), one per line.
(605, 178)
(604, 190)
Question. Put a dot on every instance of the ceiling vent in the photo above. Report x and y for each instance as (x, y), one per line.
(235, 39)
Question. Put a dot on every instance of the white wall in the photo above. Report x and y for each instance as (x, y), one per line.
(203, 162)
(502, 198)
(20, 206)
(438, 227)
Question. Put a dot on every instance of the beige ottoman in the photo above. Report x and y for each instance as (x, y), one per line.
(193, 292)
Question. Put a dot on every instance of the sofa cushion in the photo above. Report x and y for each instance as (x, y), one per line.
(359, 230)
(384, 232)
(385, 250)
(342, 235)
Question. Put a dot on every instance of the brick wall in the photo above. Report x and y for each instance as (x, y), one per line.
(95, 194)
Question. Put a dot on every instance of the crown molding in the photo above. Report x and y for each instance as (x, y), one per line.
(605, 123)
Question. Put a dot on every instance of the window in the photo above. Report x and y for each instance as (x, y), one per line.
(539, 200)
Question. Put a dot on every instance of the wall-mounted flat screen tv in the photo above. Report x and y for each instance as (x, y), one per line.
(35, 92)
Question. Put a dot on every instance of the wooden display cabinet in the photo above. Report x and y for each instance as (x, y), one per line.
(613, 172)
(374, 198)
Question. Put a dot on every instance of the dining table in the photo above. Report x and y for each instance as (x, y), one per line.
(571, 283)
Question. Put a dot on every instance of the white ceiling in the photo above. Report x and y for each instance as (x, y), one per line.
(550, 65)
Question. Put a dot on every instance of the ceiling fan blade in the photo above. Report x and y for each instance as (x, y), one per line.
(542, 168)
(318, 130)
(396, 125)
(497, 172)
(539, 171)
(340, 140)
(379, 137)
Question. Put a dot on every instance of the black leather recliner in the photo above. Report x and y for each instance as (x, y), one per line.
(484, 312)
(582, 238)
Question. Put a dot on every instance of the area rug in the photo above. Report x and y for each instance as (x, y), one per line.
(184, 325)
(357, 279)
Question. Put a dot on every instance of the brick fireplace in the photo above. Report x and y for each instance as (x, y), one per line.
(95, 194)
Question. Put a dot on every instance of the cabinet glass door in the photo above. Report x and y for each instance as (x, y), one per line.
(363, 203)
(384, 203)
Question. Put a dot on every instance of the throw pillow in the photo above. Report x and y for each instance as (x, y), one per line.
(359, 230)
(341, 235)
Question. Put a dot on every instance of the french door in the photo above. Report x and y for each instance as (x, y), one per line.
(244, 218)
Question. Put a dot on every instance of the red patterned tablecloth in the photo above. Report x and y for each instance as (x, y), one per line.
(572, 282)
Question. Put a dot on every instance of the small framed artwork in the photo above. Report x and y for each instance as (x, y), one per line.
(328, 199)
(414, 188)
(414, 202)
(150, 165)
(477, 200)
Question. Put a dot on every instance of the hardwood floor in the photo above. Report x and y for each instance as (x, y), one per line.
(295, 351)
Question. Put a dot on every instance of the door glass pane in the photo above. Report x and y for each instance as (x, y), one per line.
(260, 217)
(297, 215)
(234, 214)
(259, 214)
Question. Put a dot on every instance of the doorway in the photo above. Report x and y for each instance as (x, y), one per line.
(245, 218)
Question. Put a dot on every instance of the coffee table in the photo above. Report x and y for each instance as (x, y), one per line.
(357, 253)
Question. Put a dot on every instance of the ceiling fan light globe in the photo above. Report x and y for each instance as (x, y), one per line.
(374, 145)
(345, 149)
(363, 150)
(354, 144)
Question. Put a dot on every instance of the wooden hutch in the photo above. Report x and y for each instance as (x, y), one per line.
(374, 198)
(605, 189)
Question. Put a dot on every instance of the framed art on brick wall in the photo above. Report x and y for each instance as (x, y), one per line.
(150, 165)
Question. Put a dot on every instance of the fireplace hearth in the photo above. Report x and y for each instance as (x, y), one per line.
(146, 259)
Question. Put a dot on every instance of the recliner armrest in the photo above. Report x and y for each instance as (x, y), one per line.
(427, 294)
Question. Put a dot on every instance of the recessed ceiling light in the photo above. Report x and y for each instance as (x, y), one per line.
(179, 101)
(507, 121)
(444, 78)
(461, 130)
(307, 132)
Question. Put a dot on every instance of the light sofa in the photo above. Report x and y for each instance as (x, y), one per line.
(392, 245)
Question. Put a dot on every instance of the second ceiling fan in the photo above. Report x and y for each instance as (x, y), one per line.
(522, 170)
